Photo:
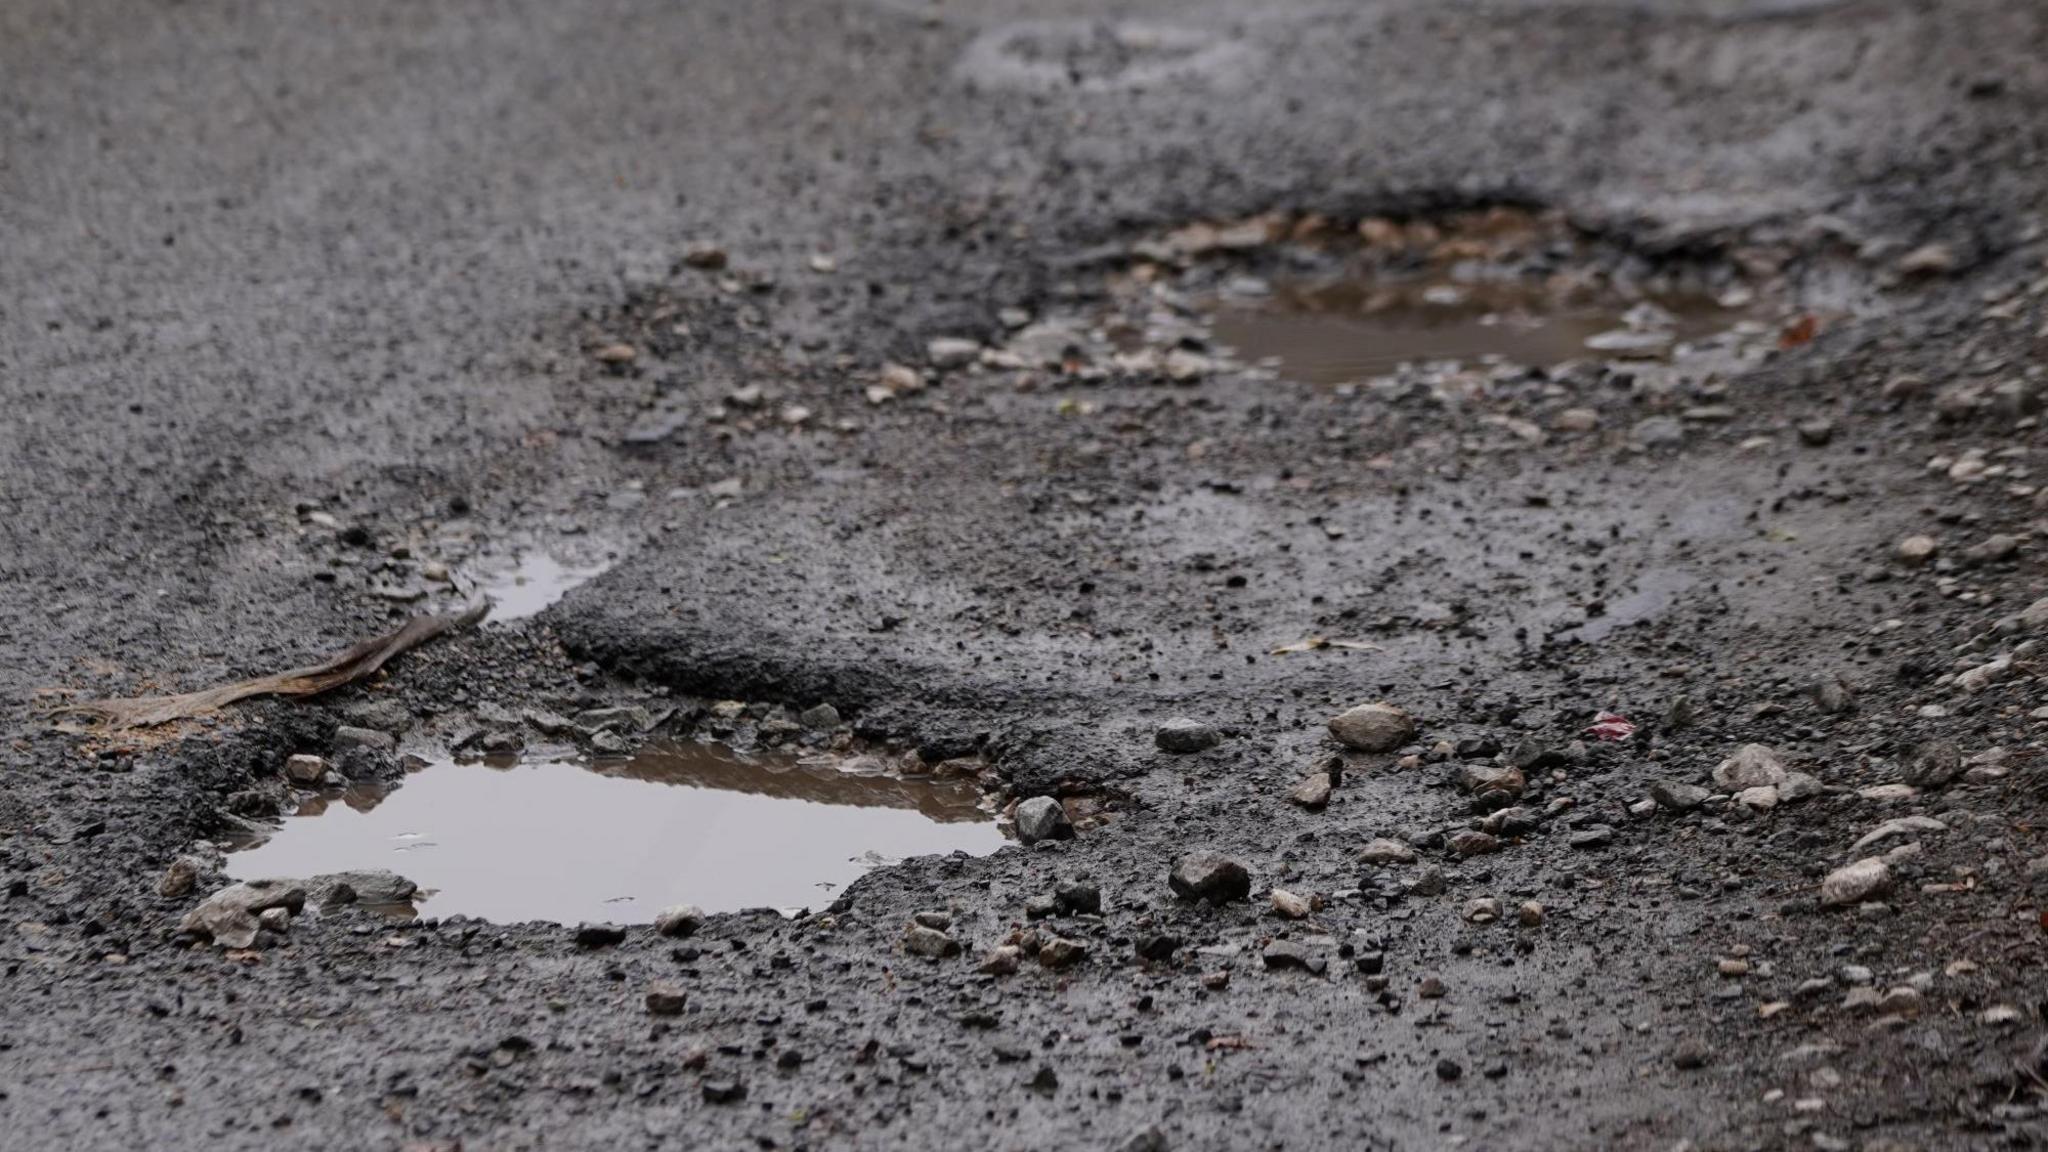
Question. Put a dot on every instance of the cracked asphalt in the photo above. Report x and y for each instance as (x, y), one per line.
(298, 303)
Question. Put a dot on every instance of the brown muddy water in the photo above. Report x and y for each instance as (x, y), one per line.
(1354, 330)
(617, 840)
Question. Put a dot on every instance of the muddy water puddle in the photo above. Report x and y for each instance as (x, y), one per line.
(1353, 330)
(531, 582)
(617, 840)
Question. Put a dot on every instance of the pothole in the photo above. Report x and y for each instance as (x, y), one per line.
(532, 582)
(512, 839)
(1351, 330)
(1324, 305)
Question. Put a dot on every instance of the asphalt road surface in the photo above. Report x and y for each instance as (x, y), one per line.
(867, 351)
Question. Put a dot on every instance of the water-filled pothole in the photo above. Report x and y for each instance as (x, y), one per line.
(1353, 330)
(515, 839)
(1324, 302)
(533, 581)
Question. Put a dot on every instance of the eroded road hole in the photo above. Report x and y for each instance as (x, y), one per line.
(1342, 331)
(532, 582)
(1324, 305)
(532, 838)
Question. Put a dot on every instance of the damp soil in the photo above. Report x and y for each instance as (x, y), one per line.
(512, 839)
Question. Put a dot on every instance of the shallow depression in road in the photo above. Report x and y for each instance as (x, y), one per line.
(619, 839)
(533, 582)
(1352, 330)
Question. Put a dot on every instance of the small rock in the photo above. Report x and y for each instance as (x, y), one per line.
(179, 878)
(1157, 946)
(1289, 954)
(939, 920)
(1903, 826)
(1313, 792)
(1999, 1015)
(1373, 728)
(547, 723)
(1658, 432)
(819, 718)
(1431, 883)
(1992, 549)
(1490, 780)
(930, 943)
(347, 736)
(679, 920)
(1448, 1069)
(1042, 818)
(1291, 906)
(952, 352)
(599, 935)
(1432, 987)
(1817, 432)
(1210, 876)
(278, 920)
(1752, 766)
(1530, 914)
(1385, 851)
(1597, 836)
(1831, 694)
(1799, 786)
(1060, 952)
(1183, 736)
(1904, 1000)
(1934, 764)
(1854, 883)
(228, 917)
(1762, 798)
(1002, 960)
(1483, 910)
(1678, 797)
(1691, 1053)
(724, 1091)
(705, 257)
(1078, 898)
(1471, 843)
(374, 886)
(304, 770)
(1928, 260)
(665, 998)
(1916, 551)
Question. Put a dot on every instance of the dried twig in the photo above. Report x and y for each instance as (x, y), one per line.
(358, 663)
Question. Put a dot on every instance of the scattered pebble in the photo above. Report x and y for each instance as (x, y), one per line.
(1854, 883)
(1210, 876)
(1183, 736)
(1042, 818)
(1373, 728)
(665, 998)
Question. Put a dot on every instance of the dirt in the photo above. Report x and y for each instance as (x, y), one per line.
(870, 349)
